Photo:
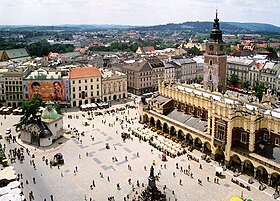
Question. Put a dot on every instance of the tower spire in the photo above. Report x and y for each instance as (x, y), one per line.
(216, 13)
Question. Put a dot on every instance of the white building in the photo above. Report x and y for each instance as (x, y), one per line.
(114, 85)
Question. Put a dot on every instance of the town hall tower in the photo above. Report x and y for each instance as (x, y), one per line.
(215, 60)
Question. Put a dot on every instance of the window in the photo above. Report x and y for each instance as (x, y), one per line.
(97, 79)
(277, 141)
(80, 88)
(91, 87)
(220, 132)
(243, 138)
(210, 62)
(73, 89)
(85, 87)
(91, 80)
(74, 96)
(97, 87)
(265, 137)
(85, 80)
(73, 82)
(55, 125)
(91, 93)
(79, 81)
(97, 93)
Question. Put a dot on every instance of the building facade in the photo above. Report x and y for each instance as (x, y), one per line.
(233, 134)
(139, 77)
(85, 85)
(114, 85)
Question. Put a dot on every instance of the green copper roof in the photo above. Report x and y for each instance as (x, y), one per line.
(49, 113)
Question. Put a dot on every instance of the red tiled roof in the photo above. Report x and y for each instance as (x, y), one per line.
(259, 65)
(84, 72)
(80, 49)
(149, 49)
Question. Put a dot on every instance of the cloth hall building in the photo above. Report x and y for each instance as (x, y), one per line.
(239, 134)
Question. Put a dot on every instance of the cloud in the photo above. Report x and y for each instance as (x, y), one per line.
(141, 12)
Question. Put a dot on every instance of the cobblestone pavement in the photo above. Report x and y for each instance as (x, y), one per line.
(97, 164)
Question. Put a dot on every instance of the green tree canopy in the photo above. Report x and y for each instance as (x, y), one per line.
(259, 90)
(245, 85)
(233, 80)
(30, 110)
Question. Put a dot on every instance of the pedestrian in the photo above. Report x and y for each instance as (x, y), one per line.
(61, 174)
(34, 180)
(180, 182)
(208, 179)
(76, 169)
(200, 166)
(108, 179)
(174, 174)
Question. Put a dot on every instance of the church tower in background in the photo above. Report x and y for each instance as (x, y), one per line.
(215, 60)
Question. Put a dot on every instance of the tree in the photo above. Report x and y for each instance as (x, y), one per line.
(245, 85)
(30, 110)
(233, 80)
(193, 51)
(259, 90)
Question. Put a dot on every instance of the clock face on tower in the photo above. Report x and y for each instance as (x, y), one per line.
(221, 48)
(211, 47)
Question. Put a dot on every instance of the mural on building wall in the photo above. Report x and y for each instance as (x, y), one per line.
(55, 90)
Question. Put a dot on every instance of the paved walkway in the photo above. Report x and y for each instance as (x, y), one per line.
(97, 164)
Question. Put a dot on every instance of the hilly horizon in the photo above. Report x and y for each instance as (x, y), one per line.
(189, 26)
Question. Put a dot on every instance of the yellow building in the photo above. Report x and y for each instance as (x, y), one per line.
(232, 132)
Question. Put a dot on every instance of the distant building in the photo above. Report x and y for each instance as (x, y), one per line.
(17, 55)
(145, 50)
(3, 56)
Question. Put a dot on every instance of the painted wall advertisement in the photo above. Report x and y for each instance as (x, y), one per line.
(49, 90)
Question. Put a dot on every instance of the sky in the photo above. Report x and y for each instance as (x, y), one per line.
(136, 12)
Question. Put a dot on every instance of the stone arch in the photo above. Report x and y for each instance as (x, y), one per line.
(275, 180)
(9, 104)
(219, 155)
(235, 162)
(248, 168)
(145, 118)
(207, 148)
(165, 128)
(189, 139)
(158, 125)
(262, 174)
(14, 104)
(197, 143)
(172, 131)
(181, 135)
(152, 122)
